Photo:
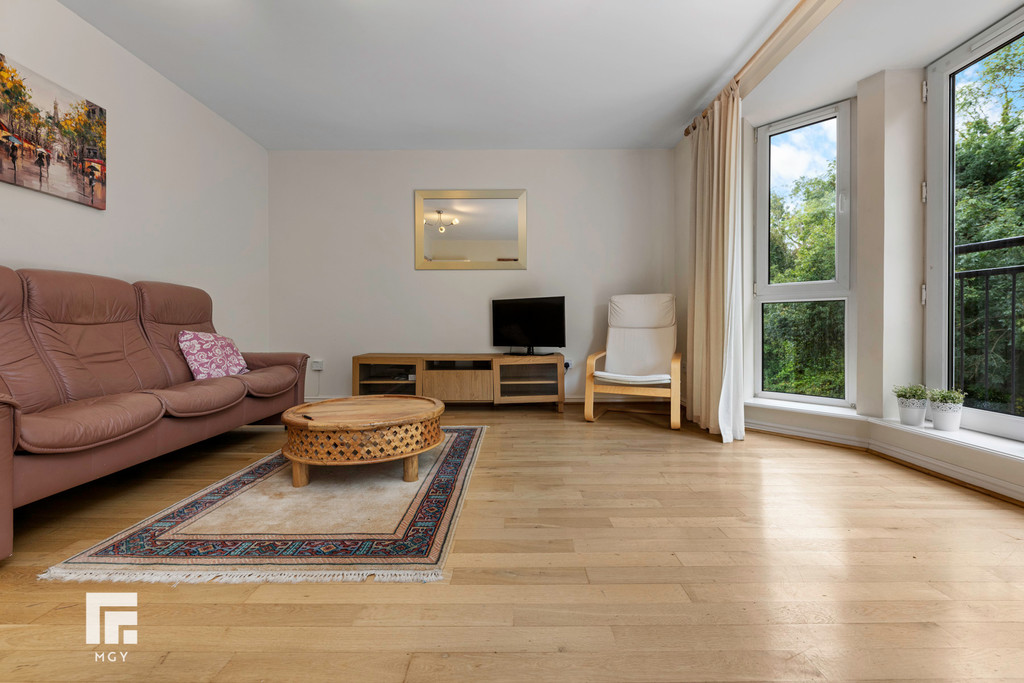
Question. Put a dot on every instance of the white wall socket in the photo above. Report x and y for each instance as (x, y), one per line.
(316, 365)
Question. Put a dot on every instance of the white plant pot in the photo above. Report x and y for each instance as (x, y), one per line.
(912, 411)
(946, 416)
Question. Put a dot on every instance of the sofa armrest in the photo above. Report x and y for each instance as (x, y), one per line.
(10, 409)
(271, 358)
(256, 361)
(8, 438)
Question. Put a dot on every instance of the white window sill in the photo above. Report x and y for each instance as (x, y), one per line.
(806, 408)
(997, 445)
(993, 463)
(994, 444)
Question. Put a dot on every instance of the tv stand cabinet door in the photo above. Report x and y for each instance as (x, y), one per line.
(459, 385)
(530, 379)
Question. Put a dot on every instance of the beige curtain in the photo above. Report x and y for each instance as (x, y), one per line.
(714, 335)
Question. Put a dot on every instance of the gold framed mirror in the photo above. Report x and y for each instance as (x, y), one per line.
(470, 229)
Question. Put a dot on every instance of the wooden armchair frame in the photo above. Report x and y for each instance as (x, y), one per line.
(673, 392)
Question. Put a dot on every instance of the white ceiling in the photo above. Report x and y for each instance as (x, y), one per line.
(445, 74)
(860, 38)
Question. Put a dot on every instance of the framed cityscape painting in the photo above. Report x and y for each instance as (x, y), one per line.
(51, 140)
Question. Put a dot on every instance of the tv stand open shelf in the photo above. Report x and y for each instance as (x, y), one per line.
(462, 377)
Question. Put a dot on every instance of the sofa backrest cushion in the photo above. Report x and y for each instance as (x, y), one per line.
(167, 309)
(23, 373)
(88, 328)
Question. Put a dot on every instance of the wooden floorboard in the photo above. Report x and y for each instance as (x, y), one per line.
(613, 551)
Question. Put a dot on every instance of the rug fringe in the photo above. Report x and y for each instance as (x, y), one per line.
(207, 576)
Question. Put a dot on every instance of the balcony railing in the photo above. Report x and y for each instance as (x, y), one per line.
(991, 374)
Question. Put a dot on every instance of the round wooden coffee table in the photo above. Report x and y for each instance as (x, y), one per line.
(361, 430)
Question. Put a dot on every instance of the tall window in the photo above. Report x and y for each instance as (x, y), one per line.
(976, 229)
(802, 277)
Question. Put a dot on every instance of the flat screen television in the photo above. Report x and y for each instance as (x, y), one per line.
(539, 321)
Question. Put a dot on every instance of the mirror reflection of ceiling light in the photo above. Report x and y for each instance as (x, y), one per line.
(441, 224)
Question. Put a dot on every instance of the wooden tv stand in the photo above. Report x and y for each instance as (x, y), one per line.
(462, 377)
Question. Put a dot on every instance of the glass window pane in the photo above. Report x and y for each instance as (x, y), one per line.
(804, 348)
(988, 340)
(987, 226)
(802, 204)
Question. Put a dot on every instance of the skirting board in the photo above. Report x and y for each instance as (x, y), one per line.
(568, 399)
(875, 442)
(804, 433)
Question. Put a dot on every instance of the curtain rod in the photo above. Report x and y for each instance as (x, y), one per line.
(797, 25)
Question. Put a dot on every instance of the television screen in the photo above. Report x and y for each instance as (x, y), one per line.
(528, 322)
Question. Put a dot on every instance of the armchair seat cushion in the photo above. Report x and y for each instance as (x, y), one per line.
(617, 378)
(201, 396)
(271, 381)
(88, 422)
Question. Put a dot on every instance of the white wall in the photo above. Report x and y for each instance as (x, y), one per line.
(889, 238)
(869, 242)
(904, 231)
(991, 462)
(599, 222)
(187, 192)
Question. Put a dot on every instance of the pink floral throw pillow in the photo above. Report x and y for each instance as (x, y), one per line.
(211, 355)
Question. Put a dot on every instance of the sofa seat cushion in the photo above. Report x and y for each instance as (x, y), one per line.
(201, 396)
(88, 422)
(271, 381)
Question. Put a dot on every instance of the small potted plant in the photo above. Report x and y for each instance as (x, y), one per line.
(913, 401)
(947, 406)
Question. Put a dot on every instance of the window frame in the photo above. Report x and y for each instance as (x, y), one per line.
(938, 230)
(823, 290)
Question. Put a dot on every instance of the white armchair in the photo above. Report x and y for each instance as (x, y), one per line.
(639, 356)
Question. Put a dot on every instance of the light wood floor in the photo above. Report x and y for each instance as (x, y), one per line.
(612, 551)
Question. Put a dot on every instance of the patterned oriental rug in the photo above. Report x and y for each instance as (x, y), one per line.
(349, 523)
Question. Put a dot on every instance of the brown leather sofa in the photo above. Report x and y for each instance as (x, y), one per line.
(92, 381)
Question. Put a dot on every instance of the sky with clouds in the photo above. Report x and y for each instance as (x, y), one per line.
(802, 152)
(991, 108)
